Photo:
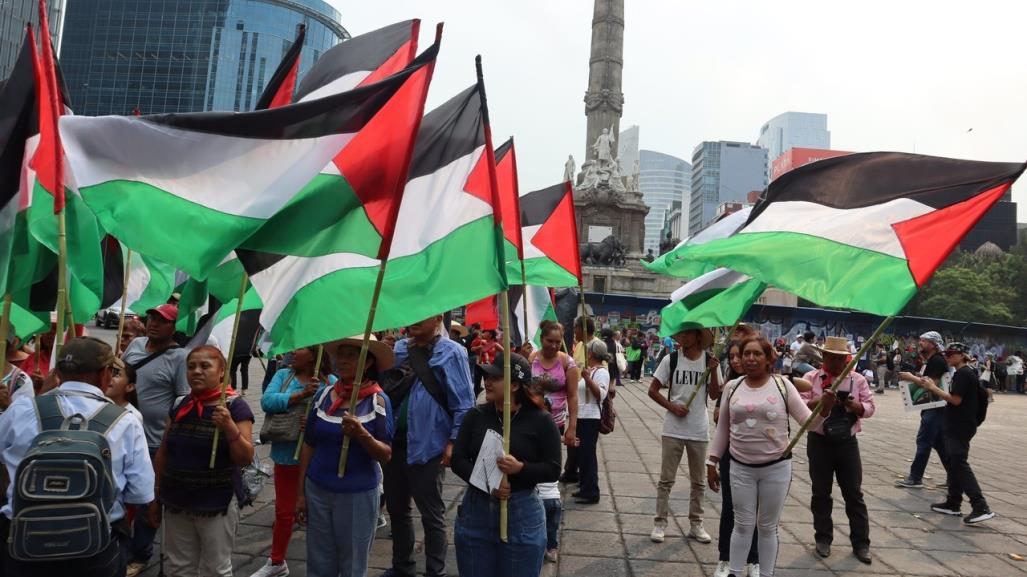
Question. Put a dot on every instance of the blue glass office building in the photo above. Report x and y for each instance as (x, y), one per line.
(184, 55)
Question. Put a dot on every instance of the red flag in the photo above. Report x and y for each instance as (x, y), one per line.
(484, 312)
(49, 159)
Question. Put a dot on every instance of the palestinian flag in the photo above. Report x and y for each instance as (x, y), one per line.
(506, 179)
(217, 328)
(715, 299)
(282, 85)
(677, 263)
(550, 238)
(361, 60)
(446, 250)
(863, 231)
(44, 194)
(214, 178)
(150, 282)
(25, 323)
(539, 308)
(355, 188)
(17, 110)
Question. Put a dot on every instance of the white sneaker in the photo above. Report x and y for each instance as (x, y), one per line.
(723, 569)
(657, 534)
(269, 570)
(754, 570)
(382, 521)
(698, 533)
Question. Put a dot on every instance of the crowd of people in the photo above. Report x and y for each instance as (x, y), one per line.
(179, 444)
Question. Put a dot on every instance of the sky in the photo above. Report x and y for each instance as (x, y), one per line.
(942, 78)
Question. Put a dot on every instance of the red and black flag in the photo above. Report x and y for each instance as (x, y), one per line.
(280, 88)
(551, 256)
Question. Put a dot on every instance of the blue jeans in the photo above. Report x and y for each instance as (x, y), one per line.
(141, 546)
(554, 512)
(480, 553)
(927, 437)
(588, 463)
(340, 531)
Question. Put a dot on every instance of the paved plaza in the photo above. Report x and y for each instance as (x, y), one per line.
(611, 539)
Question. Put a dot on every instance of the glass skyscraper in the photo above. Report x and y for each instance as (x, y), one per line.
(14, 15)
(663, 180)
(167, 56)
(723, 172)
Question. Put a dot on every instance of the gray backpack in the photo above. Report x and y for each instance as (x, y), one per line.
(64, 487)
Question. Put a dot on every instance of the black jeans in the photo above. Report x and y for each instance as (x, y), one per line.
(423, 484)
(961, 477)
(244, 364)
(827, 460)
(727, 516)
(635, 370)
(588, 462)
(108, 563)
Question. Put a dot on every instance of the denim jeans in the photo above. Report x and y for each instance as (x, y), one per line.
(480, 553)
(340, 531)
(554, 512)
(926, 438)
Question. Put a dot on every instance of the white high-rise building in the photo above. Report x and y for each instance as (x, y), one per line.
(666, 183)
(627, 149)
(794, 130)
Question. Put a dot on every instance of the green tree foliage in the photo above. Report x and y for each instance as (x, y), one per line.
(977, 288)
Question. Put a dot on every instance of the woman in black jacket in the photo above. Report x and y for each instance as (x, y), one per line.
(534, 458)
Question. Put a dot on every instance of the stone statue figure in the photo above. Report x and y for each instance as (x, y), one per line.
(604, 147)
(591, 175)
(568, 168)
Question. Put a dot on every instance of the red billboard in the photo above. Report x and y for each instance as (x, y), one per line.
(797, 157)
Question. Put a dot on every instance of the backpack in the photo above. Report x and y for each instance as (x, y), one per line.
(64, 487)
(398, 381)
(982, 403)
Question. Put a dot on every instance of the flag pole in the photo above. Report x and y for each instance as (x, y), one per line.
(358, 380)
(124, 297)
(524, 302)
(717, 351)
(310, 401)
(845, 372)
(231, 353)
(504, 508)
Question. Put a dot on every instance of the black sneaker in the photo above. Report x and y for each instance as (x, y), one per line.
(946, 508)
(909, 483)
(978, 514)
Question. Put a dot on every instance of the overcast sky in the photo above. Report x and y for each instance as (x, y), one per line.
(890, 75)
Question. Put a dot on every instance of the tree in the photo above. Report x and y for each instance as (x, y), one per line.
(961, 293)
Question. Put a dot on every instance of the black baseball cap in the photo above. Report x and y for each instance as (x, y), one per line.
(520, 369)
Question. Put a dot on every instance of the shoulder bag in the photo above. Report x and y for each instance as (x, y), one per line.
(283, 427)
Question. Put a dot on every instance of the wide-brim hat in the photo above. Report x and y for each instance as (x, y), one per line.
(384, 358)
(459, 328)
(705, 336)
(835, 345)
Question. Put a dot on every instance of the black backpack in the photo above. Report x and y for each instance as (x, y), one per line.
(64, 487)
(982, 403)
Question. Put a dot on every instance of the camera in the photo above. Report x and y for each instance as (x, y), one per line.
(842, 395)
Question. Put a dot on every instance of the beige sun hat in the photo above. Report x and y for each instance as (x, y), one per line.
(835, 345)
(384, 358)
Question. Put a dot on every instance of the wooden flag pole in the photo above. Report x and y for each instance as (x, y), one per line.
(504, 505)
(362, 361)
(717, 351)
(845, 372)
(231, 353)
(525, 337)
(62, 283)
(124, 297)
(5, 325)
(584, 328)
(310, 401)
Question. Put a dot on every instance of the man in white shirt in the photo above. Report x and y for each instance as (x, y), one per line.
(794, 348)
(686, 429)
(85, 370)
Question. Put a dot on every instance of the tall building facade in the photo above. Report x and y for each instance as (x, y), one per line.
(14, 15)
(663, 180)
(794, 129)
(186, 55)
(723, 172)
(627, 149)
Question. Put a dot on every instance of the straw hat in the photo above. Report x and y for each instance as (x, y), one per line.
(459, 328)
(836, 346)
(705, 336)
(384, 358)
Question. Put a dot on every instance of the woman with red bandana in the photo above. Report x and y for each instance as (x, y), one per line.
(342, 512)
(289, 390)
(201, 504)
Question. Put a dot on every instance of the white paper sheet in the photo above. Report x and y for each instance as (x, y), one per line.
(486, 474)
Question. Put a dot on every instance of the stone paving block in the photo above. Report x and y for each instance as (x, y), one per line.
(978, 564)
(674, 549)
(597, 566)
(644, 568)
(934, 540)
(585, 543)
(634, 524)
(797, 557)
(912, 562)
(590, 520)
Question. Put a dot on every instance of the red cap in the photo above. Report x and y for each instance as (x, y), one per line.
(166, 311)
